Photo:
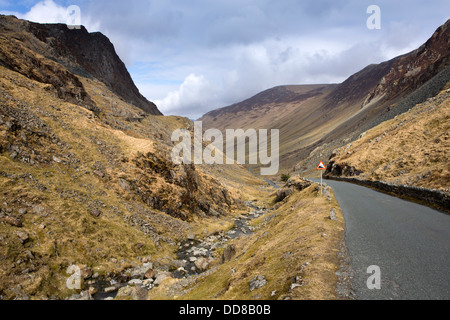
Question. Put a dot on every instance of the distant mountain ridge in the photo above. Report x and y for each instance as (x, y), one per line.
(280, 94)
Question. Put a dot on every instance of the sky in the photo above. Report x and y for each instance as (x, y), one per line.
(193, 56)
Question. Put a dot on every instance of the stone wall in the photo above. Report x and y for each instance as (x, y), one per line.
(434, 198)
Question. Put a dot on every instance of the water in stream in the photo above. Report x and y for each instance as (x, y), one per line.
(191, 250)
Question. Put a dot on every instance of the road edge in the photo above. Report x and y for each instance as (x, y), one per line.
(435, 199)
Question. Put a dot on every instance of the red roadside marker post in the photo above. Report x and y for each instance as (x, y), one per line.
(321, 167)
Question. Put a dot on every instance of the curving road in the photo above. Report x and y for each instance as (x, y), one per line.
(409, 242)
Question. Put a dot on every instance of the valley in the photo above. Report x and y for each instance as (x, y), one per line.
(90, 191)
(87, 182)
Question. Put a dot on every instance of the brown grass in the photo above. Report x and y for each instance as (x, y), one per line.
(296, 240)
(411, 149)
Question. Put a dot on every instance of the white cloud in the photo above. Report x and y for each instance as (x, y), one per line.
(48, 11)
(249, 69)
(195, 94)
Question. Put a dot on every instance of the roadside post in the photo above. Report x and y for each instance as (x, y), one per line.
(321, 167)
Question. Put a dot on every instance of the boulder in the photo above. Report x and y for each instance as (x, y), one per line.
(99, 174)
(23, 236)
(228, 253)
(179, 263)
(257, 282)
(39, 209)
(191, 237)
(95, 212)
(93, 291)
(199, 251)
(150, 274)
(56, 159)
(13, 221)
(86, 273)
(138, 272)
(110, 289)
(283, 194)
(131, 293)
(202, 264)
(161, 276)
(135, 282)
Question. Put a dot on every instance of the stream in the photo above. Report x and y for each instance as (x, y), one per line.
(192, 250)
(194, 257)
(270, 182)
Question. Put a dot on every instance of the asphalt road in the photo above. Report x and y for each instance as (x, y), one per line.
(410, 243)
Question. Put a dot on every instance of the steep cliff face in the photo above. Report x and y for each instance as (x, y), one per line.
(356, 88)
(412, 70)
(55, 54)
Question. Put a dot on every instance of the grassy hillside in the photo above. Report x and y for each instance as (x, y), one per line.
(411, 149)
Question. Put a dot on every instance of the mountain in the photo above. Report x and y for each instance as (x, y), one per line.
(314, 120)
(89, 191)
(54, 54)
(261, 109)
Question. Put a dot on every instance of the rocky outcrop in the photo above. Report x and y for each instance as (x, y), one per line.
(412, 70)
(257, 283)
(178, 190)
(15, 55)
(335, 169)
(293, 184)
(55, 54)
(297, 183)
(283, 193)
(228, 253)
(28, 139)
